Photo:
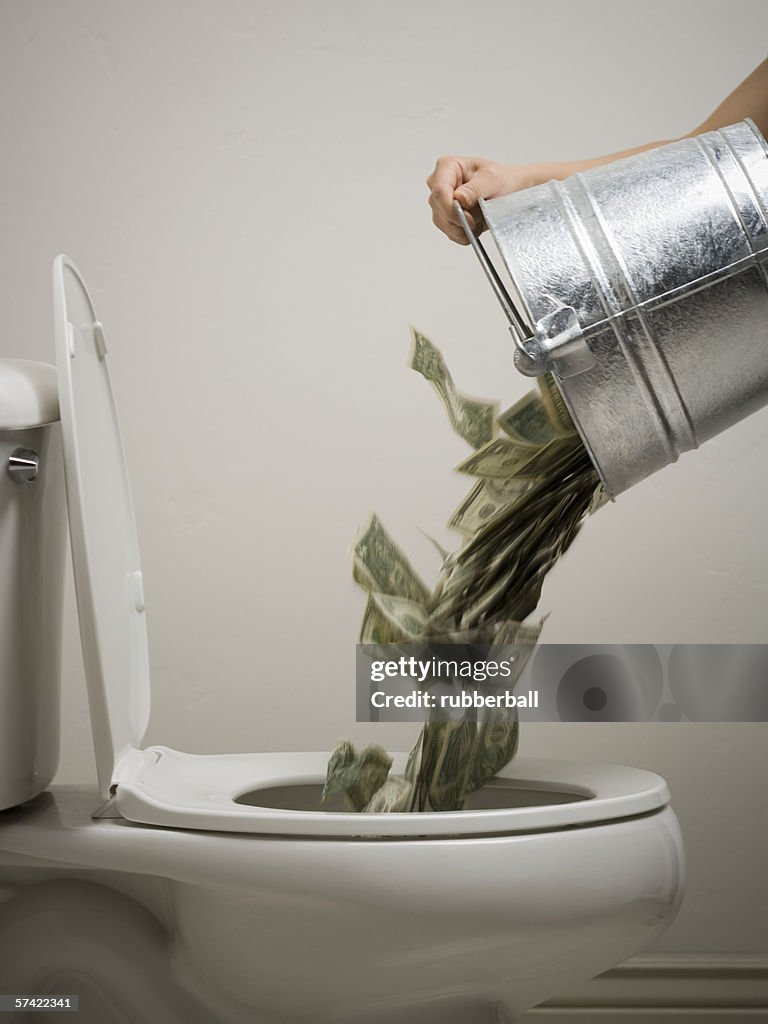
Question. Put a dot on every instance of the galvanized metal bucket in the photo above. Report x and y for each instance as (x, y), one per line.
(642, 285)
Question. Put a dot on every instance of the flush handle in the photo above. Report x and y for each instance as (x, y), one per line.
(23, 465)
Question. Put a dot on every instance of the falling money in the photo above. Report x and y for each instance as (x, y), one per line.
(534, 486)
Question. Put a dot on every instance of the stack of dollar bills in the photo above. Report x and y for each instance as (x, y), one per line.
(534, 485)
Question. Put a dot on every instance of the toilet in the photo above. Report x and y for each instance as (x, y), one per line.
(191, 887)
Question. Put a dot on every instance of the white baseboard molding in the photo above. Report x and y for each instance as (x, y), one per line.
(668, 988)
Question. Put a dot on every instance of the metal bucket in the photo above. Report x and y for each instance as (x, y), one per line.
(642, 286)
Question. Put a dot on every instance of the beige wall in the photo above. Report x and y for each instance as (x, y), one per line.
(241, 183)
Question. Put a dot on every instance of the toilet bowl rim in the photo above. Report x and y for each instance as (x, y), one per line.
(174, 789)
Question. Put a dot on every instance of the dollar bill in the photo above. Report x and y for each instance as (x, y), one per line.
(413, 765)
(500, 458)
(484, 501)
(599, 498)
(379, 565)
(395, 796)
(527, 421)
(554, 405)
(376, 628)
(546, 462)
(358, 776)
(446, 763)
(497, 741)
(404, 617)
(474, 419)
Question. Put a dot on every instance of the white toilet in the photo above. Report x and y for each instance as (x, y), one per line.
(213, 887)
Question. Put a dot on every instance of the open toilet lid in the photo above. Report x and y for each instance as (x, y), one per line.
(105, 552)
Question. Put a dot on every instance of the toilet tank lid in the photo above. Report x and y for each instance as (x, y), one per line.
(29, 395)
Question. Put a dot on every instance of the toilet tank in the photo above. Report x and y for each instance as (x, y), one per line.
(32, 546)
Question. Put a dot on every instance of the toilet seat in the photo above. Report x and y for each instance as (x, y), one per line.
(169, 788)
(199, 791)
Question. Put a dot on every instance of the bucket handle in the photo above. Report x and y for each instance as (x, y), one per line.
(517, 326)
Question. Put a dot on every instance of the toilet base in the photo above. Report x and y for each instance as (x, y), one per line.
(122, 972)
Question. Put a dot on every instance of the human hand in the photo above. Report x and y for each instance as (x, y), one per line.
(469, 179)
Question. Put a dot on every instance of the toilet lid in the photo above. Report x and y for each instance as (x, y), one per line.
(105, 553)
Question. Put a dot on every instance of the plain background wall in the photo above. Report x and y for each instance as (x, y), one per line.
(242, 185)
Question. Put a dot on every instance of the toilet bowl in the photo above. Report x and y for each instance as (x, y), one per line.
(216, 888)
